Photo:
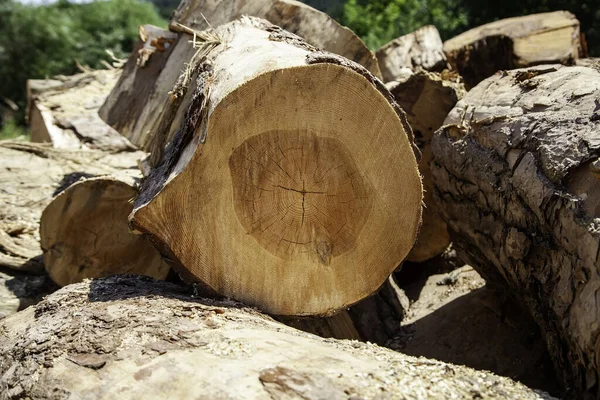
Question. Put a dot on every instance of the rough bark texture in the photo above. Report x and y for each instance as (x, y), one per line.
(145, 101)
(64, 112)
(316, 27)
(31, 174)
(516, 173)
(514, 43)
(292, 188)
(421, 49)
(130, 336)
(427, 98)
(84, 234)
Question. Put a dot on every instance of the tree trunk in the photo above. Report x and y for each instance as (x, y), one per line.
(292, 175)
(65, 112)
(514, 43)
(84, 234)
(144, 102)
(98, 340)
(30, 175)
(421, 49)
(427, 98)
(516, 174)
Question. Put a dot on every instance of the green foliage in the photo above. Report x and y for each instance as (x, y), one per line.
(43, 41)
(10, 130)
(379, 21)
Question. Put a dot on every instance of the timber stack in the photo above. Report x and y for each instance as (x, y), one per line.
(254, 171)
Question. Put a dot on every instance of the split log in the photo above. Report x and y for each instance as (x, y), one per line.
(84, 234)
(421, 49)
(64, 112)
(285, 178)
(98, 340)
(427, 98)
(515, 43)
(30, 175)
(144, 95)
(516, 172)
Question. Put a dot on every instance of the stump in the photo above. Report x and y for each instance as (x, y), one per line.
(421, 49)
(144, 96)
(292, 184)
(119, 337)
(514, 43)
(427, 98)
(516, 172)
(84, 234)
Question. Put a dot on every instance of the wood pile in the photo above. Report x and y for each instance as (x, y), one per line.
(258, 152)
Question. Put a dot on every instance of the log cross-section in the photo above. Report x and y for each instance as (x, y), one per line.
(292, 184)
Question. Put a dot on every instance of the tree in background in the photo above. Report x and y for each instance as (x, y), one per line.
(43, 41)
(379, 21)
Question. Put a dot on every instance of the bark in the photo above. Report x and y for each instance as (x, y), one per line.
(514, 43)
(421, 49)
(30, 175)
(515, 171)
(84, 234)
(98, 340)
(427, 98)
(306, 190)
(144, 101)
(65, 112)
(316, 27)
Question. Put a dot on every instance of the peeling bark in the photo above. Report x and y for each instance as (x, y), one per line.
(516, 173)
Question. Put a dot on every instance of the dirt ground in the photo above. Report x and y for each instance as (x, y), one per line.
(455, 317)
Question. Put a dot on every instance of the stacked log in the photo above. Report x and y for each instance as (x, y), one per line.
(421, 49)
(515, 43)
(84, 234)
(427, 97)
(119, 337)
(139, 117)
(515, 171)
(64, 112)
(290, 178)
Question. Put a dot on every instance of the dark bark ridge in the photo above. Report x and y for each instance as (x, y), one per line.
(508, 170)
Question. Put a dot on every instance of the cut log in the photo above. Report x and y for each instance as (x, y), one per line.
(283, 188)
(65, 112)
(98, 340)
(316, 27)
(144, 96)
(514, 43)
(516, 174)
(30, 175)
(421, 49)
(427, 98)
(84, 234)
